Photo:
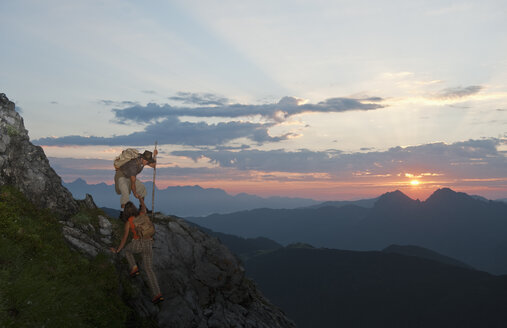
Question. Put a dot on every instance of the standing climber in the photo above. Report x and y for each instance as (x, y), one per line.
(125, 178)
(139, 244)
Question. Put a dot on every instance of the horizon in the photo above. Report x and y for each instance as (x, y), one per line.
(111, 184)
(324, 100)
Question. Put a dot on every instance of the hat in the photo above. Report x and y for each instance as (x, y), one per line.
(147, 155)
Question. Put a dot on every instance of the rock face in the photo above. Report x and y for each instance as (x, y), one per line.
(203, 283)
(25, 166)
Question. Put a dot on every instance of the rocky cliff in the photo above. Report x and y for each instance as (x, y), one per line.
(25, 166)
(203, 283)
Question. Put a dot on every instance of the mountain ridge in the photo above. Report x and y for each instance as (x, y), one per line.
(455, 224)
(186, 201)
(337, 288)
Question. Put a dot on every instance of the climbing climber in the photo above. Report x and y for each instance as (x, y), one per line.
(142, 242)
(128, 165)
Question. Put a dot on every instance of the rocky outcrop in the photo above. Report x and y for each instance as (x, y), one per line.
(25, 165)
(203, 283)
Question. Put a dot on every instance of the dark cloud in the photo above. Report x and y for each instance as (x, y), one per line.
(458, 92)
(201, 99)
(54, 103)
(372, 99)
(173, 131)
(461, 163)
(279, 111)
(163, 123)
(114, 103)
(474, 158)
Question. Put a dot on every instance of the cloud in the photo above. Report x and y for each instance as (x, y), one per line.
(287, 106)
(473, 164)
(114, 103)
(173, 131)
(458, 92)
(163, 123)
(477, 158)
(202, 99)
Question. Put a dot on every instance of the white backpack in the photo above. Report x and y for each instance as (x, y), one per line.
(125, 156)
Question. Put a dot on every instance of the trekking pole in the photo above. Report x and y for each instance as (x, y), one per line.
(153, 190)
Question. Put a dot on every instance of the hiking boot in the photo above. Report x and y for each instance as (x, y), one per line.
(157, 299)
(134, 272)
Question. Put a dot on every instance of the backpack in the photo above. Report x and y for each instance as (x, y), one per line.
(125, 156)
(143, 225)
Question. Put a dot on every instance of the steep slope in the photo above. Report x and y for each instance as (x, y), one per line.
(25, 166)
(42, 281)
(333, 288)
(204, 284)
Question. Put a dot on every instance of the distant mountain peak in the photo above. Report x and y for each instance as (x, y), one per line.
(79, 181)
(396, 193)
(394, 198)
(446, 195)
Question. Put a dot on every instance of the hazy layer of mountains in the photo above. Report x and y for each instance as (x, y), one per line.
(469, 229)
(337, 288)
(400, 286)
(186, 200)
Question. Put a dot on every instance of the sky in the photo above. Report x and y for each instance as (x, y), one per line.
(330, 100)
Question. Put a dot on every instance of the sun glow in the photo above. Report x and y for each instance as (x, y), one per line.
(414, 182)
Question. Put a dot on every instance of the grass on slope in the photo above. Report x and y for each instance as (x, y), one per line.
(45, 284)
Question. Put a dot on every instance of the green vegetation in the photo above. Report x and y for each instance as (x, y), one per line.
(45, 284)
(11, 131)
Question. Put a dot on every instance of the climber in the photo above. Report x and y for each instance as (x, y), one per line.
(138, 245)
(125, 179)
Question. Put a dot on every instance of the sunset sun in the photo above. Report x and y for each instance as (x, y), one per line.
(414, 182)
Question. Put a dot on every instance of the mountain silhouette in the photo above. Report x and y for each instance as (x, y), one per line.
(424, 253)
(339, 203)
(186, 200)
(455, 224)
(336, 288)
(395, 199)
